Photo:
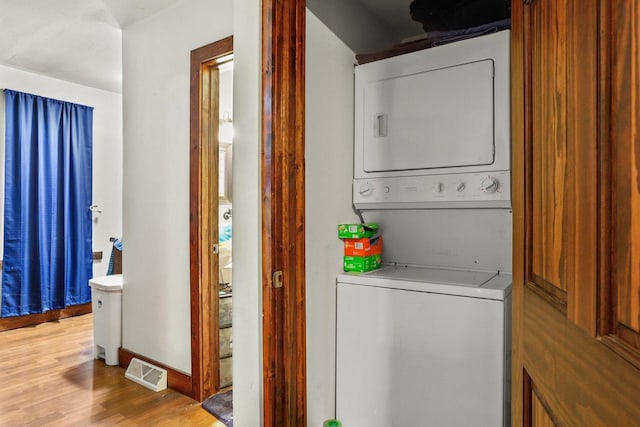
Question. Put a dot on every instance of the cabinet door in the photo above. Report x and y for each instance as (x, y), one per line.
(576, 153)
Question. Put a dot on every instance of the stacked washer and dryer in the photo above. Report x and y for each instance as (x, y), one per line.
(425, 340)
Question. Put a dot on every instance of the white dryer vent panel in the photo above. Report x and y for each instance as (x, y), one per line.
(437, 118)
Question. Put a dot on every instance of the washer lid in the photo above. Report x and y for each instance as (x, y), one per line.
(433, 275)
(470, 283)
(112, 283)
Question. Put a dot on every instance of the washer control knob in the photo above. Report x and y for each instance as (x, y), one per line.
(440, 187)
(461, 186)
(490, 185)
(387, 189)
(366, 189)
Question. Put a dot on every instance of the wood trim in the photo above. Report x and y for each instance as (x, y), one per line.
(551, 293)
(202, 211)
(520, 179)
(283, 211)
(176, 380)
(631, 338)
(606, 292)
(270, 351)
(622, 349)
(8, 323)
(522, 74)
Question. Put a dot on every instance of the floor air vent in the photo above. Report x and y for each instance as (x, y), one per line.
(144, 373)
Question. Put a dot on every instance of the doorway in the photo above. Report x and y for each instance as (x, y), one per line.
(210, 217)
(225, 222)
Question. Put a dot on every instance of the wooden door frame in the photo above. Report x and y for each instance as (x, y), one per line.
(203, 231)
(283, 219)
(283, 212)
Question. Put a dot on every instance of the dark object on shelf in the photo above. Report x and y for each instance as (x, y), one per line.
(433, 39)
(446, 15)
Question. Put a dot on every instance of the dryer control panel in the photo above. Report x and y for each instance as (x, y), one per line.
(479, 190)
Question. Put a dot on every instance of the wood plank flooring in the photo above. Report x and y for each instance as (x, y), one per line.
(48, 377)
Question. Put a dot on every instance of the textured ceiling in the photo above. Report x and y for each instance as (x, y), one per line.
(81, 40)
(74, 40)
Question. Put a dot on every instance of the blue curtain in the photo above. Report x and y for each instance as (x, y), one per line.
(47, 222)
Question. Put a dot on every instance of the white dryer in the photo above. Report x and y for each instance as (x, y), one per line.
(421, 346)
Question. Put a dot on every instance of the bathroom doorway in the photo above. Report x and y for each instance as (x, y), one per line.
(211, 131)
(225, 224)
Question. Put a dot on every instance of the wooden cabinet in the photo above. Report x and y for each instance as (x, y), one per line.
(576, 180)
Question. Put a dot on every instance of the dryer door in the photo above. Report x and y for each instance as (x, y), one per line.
(438, 118)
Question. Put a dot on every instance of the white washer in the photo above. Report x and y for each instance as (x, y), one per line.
(423, 346)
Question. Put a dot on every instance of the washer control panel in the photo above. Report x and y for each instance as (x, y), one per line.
(479, 190)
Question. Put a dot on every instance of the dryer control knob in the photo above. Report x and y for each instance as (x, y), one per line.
(490, 185)
(440, 187)
(366, 189)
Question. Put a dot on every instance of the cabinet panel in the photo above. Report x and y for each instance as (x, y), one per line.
(564, 154)
(549, 69)
(581, 181)
(580, 380)
(625, 140)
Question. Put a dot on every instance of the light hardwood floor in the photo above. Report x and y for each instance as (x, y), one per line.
(48, 377)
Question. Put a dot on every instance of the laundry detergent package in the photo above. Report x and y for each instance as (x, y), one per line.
(363, 247)
(357, 231)
(362, 263)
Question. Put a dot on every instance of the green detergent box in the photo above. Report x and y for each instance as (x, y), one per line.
(362, 263)
(357, 231)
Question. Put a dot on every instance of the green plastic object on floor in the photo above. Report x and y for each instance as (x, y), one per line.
(332, 423)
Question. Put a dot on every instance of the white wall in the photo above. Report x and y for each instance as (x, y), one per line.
(354, 24)
(247, 296)
(156, 295)
(107, 149)
(156, 233)
(329, 172)
(156, 61)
